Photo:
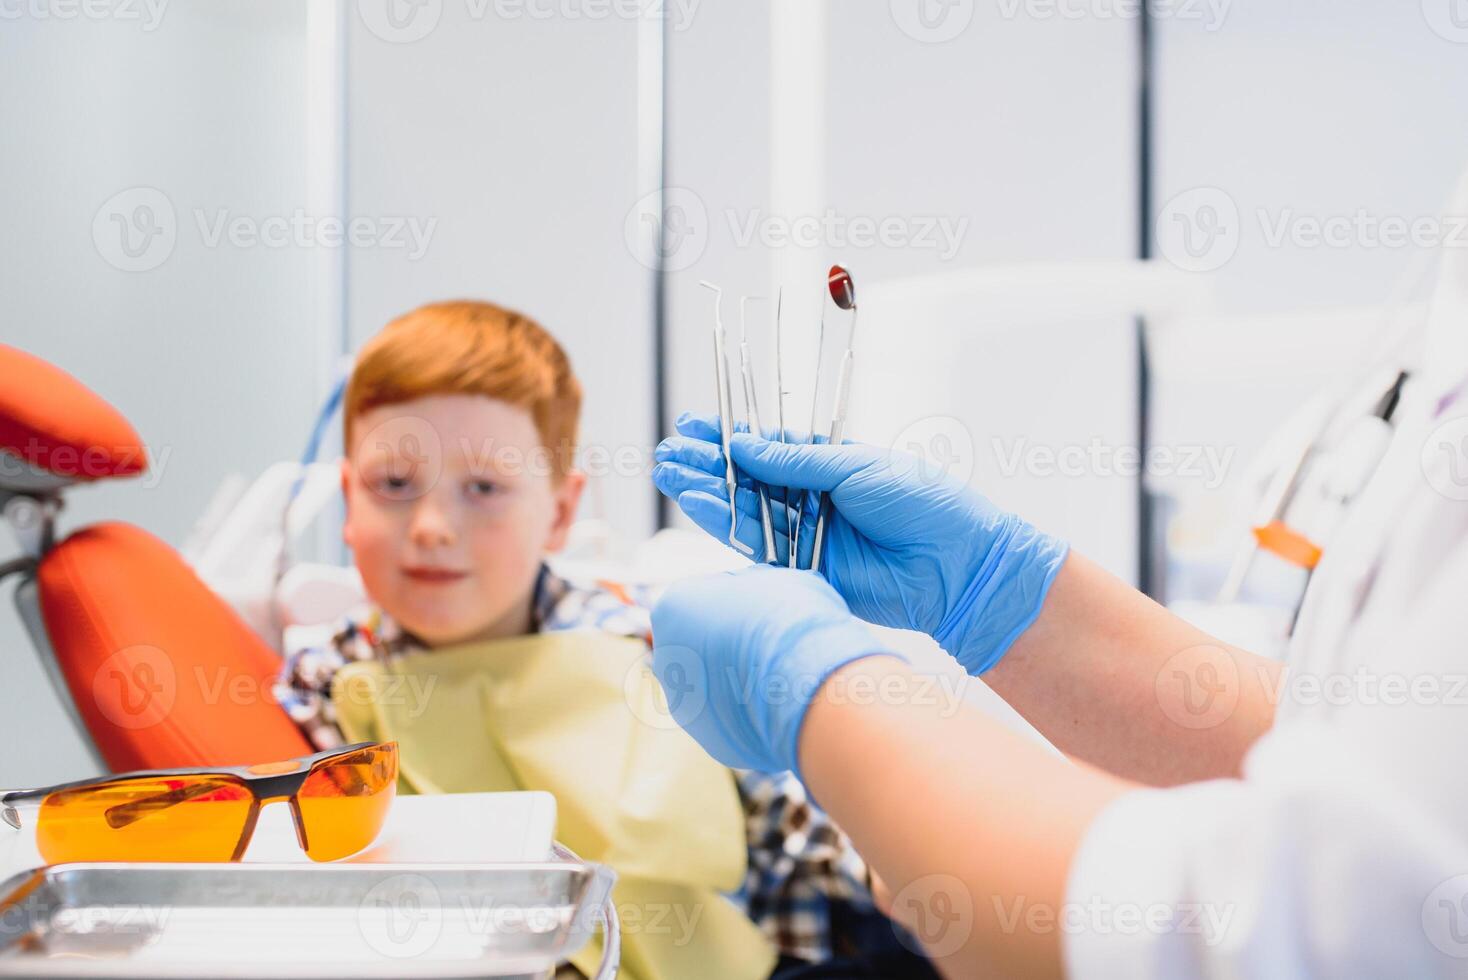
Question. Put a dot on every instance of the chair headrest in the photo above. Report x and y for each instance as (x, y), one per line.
(58, 425)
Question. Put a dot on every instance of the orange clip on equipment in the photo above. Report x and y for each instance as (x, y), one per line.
(1280, 540)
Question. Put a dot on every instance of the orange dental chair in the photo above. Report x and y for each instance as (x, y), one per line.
(155, 670)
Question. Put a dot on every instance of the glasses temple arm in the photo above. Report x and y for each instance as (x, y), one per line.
(122, 814)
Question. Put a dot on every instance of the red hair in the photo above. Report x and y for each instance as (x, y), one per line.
(471, 348)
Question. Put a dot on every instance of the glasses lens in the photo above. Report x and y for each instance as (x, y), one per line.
(344, 801)
(172, 818)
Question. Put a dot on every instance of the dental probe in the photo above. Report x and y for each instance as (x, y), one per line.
(780, 409)
(810, 438)
(726, 423)
(751, 418)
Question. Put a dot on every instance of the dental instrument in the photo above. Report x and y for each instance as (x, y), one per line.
(751, 418)
(810, 437)
(726, 423)
(780, 394)
(843, 292)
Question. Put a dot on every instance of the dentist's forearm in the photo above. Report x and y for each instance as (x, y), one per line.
(1112, 678)
(971, 827)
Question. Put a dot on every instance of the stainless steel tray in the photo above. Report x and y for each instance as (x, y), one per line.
(297, 920)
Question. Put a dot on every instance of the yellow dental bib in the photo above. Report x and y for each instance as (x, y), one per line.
(579, 715)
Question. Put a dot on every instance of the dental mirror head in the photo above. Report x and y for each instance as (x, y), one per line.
(843, 289)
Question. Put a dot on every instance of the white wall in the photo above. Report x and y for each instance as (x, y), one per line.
(210, 352)
(518, 138)
(1315, 108)
(1018, 131)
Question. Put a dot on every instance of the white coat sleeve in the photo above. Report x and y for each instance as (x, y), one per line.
(1313, 865)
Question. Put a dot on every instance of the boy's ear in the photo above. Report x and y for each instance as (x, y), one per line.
(567, 500)
(346, 473)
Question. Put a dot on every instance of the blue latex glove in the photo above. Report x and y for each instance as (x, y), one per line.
(904, 547)
(741, 654)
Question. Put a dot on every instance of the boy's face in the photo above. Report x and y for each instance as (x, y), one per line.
(451, 505)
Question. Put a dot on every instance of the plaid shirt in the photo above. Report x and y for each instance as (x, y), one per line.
(799, 861)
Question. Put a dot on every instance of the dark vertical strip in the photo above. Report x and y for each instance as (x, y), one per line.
(1148, 572)
(663, 515)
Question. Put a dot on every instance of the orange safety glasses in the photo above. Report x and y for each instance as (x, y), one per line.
(339, 801)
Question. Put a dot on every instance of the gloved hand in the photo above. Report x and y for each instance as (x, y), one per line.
(903, 546)
(741, 654)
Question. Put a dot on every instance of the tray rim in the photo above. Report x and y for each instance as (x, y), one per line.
(597, 881)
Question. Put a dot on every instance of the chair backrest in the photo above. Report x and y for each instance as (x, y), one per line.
(53, 422)
(161, 671)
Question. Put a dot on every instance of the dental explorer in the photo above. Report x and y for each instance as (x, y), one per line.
(726, 423)
(751, 418)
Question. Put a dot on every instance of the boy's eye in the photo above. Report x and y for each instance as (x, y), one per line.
(482, 488)
(392, 487)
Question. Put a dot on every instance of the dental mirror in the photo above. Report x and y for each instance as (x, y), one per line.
(843, 290)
